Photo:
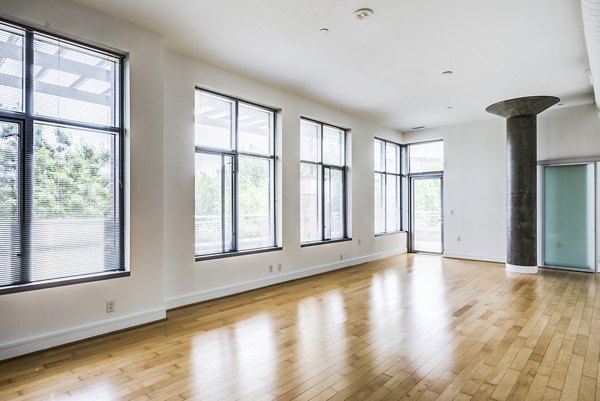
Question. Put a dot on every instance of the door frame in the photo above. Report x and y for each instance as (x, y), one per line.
(411, 179)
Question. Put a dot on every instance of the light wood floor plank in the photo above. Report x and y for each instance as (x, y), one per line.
(409, 327)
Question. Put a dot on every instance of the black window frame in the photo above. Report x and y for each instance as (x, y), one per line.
(234, 153)
(322, 167)
(27, 118)
(399, 177)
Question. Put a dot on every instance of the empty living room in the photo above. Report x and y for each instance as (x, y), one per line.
(299, 200)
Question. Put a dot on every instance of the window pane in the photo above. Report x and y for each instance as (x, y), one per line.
(377, 155)
(379, 203)
(333, 146)
(310, 202)
(255, 130)
(11, 68)
(426, 157)
(74, 83)
(9, 197)
(255, 203)
(310, 144)
(327, 204)
(75, 221)
(228, 243)
(209, 203)
(214, 116)
(392, 158)
(392, 210)
(337, 204)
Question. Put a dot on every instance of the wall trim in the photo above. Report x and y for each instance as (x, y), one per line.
(471, 256)
(521, 269)
(62, 337)
(200, 296)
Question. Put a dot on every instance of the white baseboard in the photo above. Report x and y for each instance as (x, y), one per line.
(32, 344)
(470, 256)
(200, 296)
(521, 269)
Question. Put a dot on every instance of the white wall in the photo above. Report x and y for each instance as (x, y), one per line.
(569, 133)
(38, 319)
(161, 190)
(475, 173)
(189, 281)
(474, 188)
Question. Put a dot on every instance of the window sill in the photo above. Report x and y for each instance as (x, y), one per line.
(329, 241)
(238, 253)
(392, 233)
(38, 285)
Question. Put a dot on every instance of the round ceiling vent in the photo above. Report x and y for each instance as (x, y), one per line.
(363, 13)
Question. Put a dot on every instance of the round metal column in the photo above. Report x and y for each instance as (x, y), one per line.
(521, 174)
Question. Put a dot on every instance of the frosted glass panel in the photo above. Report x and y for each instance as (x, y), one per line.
(569, 216)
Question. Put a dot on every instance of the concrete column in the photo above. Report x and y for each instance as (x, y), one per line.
(521, 185)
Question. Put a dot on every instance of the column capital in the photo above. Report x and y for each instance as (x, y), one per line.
(522, 106)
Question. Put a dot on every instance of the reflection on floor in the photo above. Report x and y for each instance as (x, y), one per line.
(428, 246)
(413, 326)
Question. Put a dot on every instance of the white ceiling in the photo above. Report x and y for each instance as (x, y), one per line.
(388, 67)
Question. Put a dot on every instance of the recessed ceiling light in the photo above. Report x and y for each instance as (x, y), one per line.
(449, 107)
(560, 104)
(419, 127)
(447, 73)
(363, 13)
(324, 30)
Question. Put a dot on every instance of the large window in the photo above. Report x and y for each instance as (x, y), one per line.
(387, 161)
(235, 182)
(61, 178)
(322, 182)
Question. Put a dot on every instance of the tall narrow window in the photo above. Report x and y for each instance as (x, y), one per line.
(235, 175)
(387, 186)
(61, 180)
(322, 182)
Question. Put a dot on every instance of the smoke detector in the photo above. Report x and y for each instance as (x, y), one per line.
(363, 13)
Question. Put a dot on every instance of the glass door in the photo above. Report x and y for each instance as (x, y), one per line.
(569, 223)
(426, 214)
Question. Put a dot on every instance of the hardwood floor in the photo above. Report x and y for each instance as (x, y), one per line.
(412, 327)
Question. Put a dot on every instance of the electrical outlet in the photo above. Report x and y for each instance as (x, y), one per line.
(279, 267)
(110, 306)
(341, 256)
(270, 268)
(458, 238)
(359, 241)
